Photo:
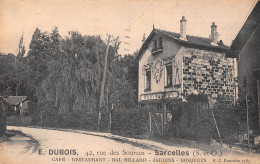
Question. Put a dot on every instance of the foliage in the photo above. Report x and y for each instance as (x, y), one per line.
(188, 116)
(61, 77)
(44, 47)
(229, 120)
(197, 98)
(7, 80)
(68, 73)
(130, 123)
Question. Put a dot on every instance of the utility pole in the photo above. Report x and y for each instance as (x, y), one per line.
(247, 120)
(102, 89)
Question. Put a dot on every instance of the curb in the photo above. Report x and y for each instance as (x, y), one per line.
(123, 140)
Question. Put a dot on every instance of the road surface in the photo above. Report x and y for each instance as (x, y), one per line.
(56, 146)
(67, 147)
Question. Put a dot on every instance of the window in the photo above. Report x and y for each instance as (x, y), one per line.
(157, 46)
(148, 80)
(169, 75)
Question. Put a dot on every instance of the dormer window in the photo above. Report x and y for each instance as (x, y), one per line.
(157, 46)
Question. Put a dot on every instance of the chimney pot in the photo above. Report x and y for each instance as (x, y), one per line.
(214, 34)
(183, 28)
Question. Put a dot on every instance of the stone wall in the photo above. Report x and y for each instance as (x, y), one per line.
(208, 72)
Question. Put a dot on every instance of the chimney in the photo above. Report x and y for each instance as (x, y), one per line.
(183, 28)
(214, 34)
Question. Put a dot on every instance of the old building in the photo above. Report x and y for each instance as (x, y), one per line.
(246, 49)
(19, 105)
(172, 65)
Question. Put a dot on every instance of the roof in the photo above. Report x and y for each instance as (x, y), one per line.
(249, 28)
(192, 41)
(15, 100)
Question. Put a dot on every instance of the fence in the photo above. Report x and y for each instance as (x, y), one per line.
(187, 121)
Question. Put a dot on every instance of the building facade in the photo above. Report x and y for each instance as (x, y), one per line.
(173, 65)
(19, 105)
(246, 49)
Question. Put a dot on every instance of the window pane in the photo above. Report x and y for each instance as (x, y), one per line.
(148, 79)
(169, 74)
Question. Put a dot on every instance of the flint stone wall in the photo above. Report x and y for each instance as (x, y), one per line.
(208, 72)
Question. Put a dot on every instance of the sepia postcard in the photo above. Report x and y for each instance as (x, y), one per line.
(129, 81)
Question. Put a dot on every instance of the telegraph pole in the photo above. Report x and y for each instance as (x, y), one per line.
(247, 120)
(102, 89)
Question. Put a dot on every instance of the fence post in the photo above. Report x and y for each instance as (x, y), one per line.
(150, 122)
(162, 116)
(109, 121)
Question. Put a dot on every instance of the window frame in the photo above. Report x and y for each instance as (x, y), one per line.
(169, 82)
(148, 80)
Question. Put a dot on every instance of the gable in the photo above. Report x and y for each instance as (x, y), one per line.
(169, 48)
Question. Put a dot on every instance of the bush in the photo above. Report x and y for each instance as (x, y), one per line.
(228, 117)
(187, 117)
(130, 122)
(74, 120)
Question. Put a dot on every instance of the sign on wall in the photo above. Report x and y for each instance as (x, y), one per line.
(160, 95)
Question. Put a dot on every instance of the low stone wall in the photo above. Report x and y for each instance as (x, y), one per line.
(19, 120)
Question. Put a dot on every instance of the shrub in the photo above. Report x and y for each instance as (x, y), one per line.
(228, 118)
(130, 122)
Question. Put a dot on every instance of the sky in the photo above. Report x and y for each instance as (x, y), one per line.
(128, 19)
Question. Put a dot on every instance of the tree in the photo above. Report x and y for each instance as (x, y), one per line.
(7, 74)
(64, 75)
(73, 82)
(228, 117)
(19, 65)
